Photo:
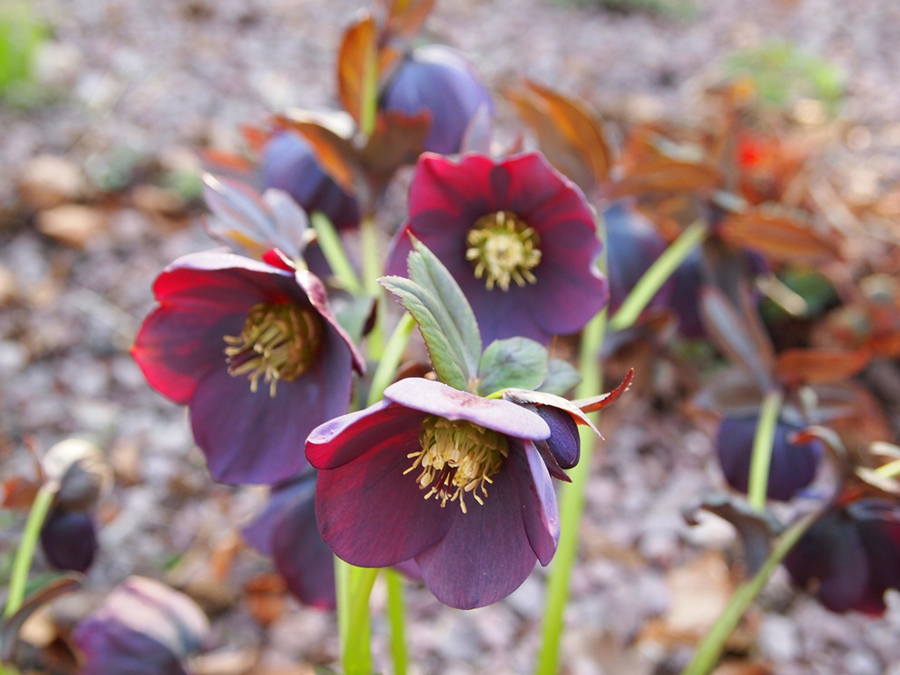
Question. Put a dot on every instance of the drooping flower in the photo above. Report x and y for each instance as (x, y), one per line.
(518, 238)
(440, 80)
(633, 244)
(69, 540)
(254, 352)
(850, 556)
(143, 628)
(288, 163)
(450, 479)
(793, 465)
(286, 530)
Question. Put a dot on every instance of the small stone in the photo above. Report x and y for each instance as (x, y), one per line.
(47, 181)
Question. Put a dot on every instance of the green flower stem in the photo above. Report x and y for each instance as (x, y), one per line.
(571, 504)
(25, 553)
(396, 619)
(653, 279)
(333, 250)
(761, 458)
(390, 358)
(370, 244)
(369, 94)
(710, 650)
(354, 586)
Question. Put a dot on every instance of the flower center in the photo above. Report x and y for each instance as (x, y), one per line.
(457, 457)
(278, 342)
(503, 248)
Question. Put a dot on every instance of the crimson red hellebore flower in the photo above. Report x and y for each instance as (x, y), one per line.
(852, 553)
(450, 479)
(517, 236)
(254, 352)
(440, 80)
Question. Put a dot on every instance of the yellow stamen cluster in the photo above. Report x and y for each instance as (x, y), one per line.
(503, 249)
(457, 457)
(278, 342)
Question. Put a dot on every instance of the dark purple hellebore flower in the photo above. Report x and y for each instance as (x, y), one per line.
(69, 540)
(633, 244)
(448, 478)
(286, 531)
(253, 350)
(793, 465)
(289, 164)
(853, 555)
(143, 628)
(517, 236)
(440, 80)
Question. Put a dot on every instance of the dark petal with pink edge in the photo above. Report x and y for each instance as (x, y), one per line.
(486, 554)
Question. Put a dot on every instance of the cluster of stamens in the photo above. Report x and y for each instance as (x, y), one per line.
(278, 342)
(457, 457)
(503, 249)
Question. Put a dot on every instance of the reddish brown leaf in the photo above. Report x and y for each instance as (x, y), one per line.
(406, 17)
(569, 131)
(19, 493)
(335, 154)
(663, 174)
(777, 236)
(818, 366)
(599, 402)
(357, 64)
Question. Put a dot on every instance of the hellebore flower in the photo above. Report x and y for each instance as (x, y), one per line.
(447, 478)
(632, 246)
(518, 238)
(793, 465)
(289, 164)
(143, 628)
(852, 554)
(253, 350)
(286, 531)
(440, 80)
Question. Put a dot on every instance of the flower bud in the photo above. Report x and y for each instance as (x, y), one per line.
(289, 164)
(440, 80)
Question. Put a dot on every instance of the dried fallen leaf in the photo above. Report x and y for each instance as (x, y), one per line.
(47, 181)
(72, 224)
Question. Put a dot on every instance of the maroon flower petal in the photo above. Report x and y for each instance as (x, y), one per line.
(540, 513)
(439, 399)
(486, 554)
(347, 437)
(301, 556)
(564, 442)
(202, 297)
(260, 439)
(369, 512)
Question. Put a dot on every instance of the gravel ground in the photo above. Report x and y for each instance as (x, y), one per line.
(157, 77)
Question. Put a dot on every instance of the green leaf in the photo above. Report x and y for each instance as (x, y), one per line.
(516, 362)
(561, 377)
(427, 271)
(436, 328)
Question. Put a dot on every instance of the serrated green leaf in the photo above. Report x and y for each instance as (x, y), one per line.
(427, 271)
(430, 316)
(516, 362)
(561, 377)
